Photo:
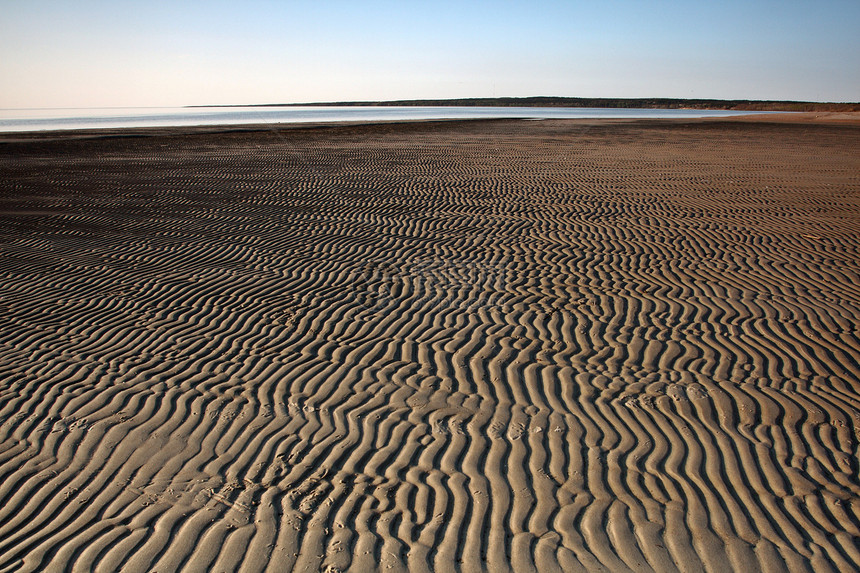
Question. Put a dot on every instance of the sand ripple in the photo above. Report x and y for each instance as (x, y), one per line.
(494, 345)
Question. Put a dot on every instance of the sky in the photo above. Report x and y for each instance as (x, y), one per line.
(94, 53)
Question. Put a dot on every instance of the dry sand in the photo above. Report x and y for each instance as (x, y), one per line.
(550, 345)
(817, 117)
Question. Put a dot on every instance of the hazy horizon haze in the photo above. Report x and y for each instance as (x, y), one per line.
(99, 54)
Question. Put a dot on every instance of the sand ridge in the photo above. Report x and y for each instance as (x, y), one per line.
(815, 117)
(436, 346)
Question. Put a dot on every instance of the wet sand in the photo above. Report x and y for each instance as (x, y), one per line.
(483, 345)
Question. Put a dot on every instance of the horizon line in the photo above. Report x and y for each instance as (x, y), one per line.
(556, 100)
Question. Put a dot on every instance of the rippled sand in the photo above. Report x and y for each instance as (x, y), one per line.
(496, 345)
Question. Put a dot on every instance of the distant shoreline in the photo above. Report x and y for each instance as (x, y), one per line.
(549, 101)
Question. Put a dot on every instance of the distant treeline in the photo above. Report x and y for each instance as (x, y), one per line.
(637, 103)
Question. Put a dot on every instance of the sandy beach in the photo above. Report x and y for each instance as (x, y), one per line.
(432, 346)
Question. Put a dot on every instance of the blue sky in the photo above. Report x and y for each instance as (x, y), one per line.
(94, 53)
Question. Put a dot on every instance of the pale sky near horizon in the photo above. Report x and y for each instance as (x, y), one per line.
(94, 53)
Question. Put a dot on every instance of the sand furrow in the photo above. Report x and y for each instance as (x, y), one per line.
(433, 346)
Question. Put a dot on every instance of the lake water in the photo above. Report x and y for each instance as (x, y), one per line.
(50, 119)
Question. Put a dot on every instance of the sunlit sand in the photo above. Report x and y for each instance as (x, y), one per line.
(487, 345)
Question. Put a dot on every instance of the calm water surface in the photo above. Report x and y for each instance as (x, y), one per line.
(50, 119)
